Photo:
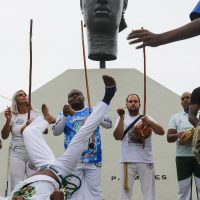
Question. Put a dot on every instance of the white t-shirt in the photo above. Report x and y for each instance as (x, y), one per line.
(180, 122)
(132, 149)
(17, 122)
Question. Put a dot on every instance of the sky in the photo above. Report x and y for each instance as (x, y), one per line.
(57, 46)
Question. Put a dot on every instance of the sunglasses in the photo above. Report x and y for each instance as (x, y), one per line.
(22, 94)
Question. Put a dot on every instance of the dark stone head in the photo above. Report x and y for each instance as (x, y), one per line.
(103, 20)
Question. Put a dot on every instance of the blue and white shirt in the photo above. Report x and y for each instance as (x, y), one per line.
(71, 125)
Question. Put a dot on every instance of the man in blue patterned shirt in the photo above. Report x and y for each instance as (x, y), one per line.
(89, 168)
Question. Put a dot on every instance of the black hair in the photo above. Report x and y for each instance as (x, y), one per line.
(132, 95)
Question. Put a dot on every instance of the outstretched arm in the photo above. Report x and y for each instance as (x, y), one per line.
(148, 38)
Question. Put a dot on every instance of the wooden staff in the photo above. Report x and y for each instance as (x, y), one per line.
(145, 80)
(144, 113)
(85, 67)
(126, 177)
(86, 77)
(30, 70)
(145, 89)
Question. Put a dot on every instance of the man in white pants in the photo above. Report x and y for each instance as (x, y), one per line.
(187, 166)
(43, 184)
(136, 155)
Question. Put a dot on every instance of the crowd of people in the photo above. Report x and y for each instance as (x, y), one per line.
(33, 166)
(52, 174)
(37, 174)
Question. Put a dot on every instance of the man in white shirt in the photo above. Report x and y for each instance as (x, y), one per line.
(186, 164)
(136, 155)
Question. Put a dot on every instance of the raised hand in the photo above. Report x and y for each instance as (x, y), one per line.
(67, 110)
(8, 114)
(120, 112)
(146, 37)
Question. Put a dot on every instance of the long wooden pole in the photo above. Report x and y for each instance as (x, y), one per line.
(91, 145)
(145, 89)
(144, 113)
(85, 67)
(145, 80)
(30, 69)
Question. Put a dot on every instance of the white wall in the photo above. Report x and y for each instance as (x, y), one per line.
(161, 104)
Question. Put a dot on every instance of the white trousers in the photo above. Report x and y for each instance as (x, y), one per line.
(19, 166)
(90, 176)
(185, 188)
(40, 153)
(146, 174)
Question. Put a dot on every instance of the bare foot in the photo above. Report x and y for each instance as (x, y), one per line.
(47, 115)
(109, 81)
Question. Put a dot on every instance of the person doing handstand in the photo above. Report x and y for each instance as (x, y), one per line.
(54, 173)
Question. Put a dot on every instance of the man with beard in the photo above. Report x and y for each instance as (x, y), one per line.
(136, 158)
(186, 164)
(89, 168)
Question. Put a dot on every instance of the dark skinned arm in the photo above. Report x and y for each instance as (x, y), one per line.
(193, 110)
(172, 135)
(148, 38)
(57, 195)
(155, 126)
(119, 130)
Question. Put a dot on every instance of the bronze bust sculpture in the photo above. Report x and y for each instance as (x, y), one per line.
(103, 20)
